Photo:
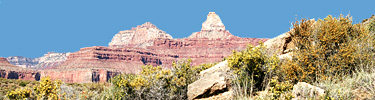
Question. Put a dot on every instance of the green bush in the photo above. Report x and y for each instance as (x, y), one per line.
(23, 84)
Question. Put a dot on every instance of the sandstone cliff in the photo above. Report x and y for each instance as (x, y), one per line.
(143, 45)
(48, 61)
(51, 60)
(23, 62)
(148, 45)
(9, 71)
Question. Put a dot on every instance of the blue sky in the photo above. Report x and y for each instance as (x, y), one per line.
(32, 28)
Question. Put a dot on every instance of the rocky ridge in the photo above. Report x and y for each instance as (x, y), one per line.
(23, 62)
(48, 61)
(9, 71)
(147, 45)
(138, 36)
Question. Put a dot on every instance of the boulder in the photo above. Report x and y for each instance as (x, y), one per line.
(281, 45)
(213, 82)
(304, 91)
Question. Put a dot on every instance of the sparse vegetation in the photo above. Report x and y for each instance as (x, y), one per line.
(332, 53)
(157, 83)
(252, 69)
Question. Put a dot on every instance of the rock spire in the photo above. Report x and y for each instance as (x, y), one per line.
(212, 28)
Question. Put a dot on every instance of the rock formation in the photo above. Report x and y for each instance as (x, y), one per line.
(144, 45)
(9, 71)
(48, 61)
(212, 81)
(5, 63)
(80, 75)
(213, 28)
(23, 62)
(51, 60)
(138, 36)
(281, 45)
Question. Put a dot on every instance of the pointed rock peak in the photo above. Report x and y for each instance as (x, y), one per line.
(212, 28)
(148, 25)
(213, 22)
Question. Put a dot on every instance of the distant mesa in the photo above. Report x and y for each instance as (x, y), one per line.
(48, 61)
(5, 63)
(23, 62)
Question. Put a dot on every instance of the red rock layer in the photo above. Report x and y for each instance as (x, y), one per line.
(80, 75)
(5, 63)
(10, 71)
(80, 65)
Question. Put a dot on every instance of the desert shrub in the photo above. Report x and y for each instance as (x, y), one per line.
(358, 86)
(156, 82)
(19, 94)
(48, 89)
(371, 26)
(252, 68)
(327, 48)
(22, 84)
(280, 89)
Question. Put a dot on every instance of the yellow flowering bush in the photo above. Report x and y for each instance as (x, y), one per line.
(279, 89)
(48, 89)
(19, 94)
(327, 48)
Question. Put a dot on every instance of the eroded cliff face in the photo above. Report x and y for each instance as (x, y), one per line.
(148, 45)
(48, 61)
(143, 45)
(9, 71)
(82, 75)
(23, 62)
(51, 60)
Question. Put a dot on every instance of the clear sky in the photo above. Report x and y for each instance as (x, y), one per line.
(32, 28)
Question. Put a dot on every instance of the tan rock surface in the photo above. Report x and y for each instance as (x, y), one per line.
(213, 82)
(281, 45)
